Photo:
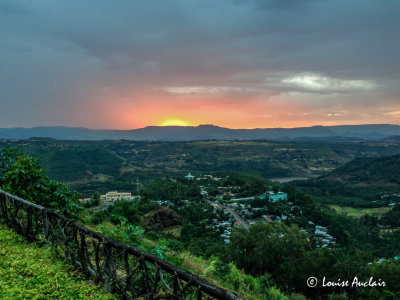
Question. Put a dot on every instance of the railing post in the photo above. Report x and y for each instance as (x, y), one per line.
(109, 269)
(45, 225)
(199, 294)
(82, 253)
(3, 207)
(29, 226)
(175, 286)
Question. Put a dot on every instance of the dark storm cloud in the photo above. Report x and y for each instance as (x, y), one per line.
(55, 55)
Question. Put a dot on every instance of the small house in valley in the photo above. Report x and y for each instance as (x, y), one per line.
(281, 196)
(115, 195)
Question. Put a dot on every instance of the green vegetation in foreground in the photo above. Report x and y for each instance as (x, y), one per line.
(262, 263)
(359, 212)
(30, 272)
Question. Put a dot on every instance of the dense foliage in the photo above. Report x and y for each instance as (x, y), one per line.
(359, 183)
(21, 175)
(174, 190)
(392, 217)
(284, 254)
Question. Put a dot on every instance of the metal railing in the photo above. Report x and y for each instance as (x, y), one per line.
(122, 269)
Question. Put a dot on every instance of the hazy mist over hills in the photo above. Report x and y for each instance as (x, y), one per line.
(209, 132)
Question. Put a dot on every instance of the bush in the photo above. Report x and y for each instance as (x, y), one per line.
(97, 217)
(21, 175)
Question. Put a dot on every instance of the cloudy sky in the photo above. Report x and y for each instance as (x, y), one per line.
(233, 63)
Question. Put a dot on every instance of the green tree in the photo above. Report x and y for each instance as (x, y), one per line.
(22, 176)
(270, 248)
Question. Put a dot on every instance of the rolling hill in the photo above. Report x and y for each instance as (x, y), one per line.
(208, 132)
(383, 171)
(358, 183)
(107, 165)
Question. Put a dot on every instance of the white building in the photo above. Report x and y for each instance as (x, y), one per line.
(114, 195)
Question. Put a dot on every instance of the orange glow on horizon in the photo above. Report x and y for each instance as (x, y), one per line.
(157, 108)
(174, 122)
(175, 111)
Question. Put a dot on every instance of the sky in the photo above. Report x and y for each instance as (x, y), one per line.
(232, 63)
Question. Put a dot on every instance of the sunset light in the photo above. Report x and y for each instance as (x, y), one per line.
(190, 67)
(174, 122)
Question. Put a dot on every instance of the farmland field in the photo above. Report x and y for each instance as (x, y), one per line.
(359, 212)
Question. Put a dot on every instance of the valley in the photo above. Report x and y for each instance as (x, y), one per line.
(202, 205)
(91, 166)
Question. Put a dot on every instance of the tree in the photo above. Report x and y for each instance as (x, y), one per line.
(7, 158)
(23, 178)
(96, 196)
(270, 248)
(21, 175)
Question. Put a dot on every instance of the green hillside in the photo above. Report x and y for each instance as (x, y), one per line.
(359, 183)
(106, 165)
(370, 170)
(30, 272)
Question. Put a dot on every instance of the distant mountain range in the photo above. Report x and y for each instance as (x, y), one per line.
(211, 132)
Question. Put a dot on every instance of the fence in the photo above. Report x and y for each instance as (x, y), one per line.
(122, 269)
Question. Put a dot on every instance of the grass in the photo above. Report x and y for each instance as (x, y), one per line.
(30, 272)
(359, 212)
